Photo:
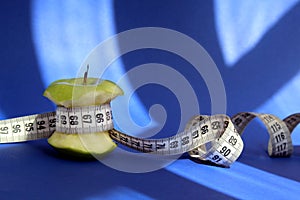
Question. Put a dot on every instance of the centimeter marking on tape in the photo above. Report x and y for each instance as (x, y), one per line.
(215, 138)
(89, 119)
(67, 120)
(27, 128)
(211, 138)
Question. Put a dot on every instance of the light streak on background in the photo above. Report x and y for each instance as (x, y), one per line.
(241, 24)
(65, 31)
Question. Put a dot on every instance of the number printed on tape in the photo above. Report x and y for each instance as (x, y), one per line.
(27, 128)
(87, 119)
(216, 138)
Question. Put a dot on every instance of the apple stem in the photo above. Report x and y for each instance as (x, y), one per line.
(86, 75)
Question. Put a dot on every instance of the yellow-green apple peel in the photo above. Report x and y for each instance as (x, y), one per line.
(80, 92)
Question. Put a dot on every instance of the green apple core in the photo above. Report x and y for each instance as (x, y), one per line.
(79, 92)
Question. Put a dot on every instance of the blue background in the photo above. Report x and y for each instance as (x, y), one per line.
(259, 65)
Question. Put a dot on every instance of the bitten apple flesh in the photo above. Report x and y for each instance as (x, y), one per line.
(78, 92)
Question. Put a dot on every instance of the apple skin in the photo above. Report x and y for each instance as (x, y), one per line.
(75, 93)
(96, 144)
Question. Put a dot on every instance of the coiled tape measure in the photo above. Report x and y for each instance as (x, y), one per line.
(215, 138)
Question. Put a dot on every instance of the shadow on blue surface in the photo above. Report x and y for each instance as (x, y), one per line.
(249, 83)
(32, 170)
(44, 174)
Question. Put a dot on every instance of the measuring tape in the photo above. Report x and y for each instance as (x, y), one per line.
(89, 119)
(211, 138)
(280, 142)
(27, 128)
(215, 138)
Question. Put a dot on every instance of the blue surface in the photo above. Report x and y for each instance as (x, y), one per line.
(262, 76)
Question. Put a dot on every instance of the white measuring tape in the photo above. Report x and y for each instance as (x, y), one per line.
(214, 138)
(89, 119)
(31, 127)
(209, 138)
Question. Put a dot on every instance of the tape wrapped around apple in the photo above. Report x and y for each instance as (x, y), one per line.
(79, 92)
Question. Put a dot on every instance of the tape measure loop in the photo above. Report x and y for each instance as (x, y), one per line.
(292, 121)
(280, 143)
(226, 144)
(215, 138)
